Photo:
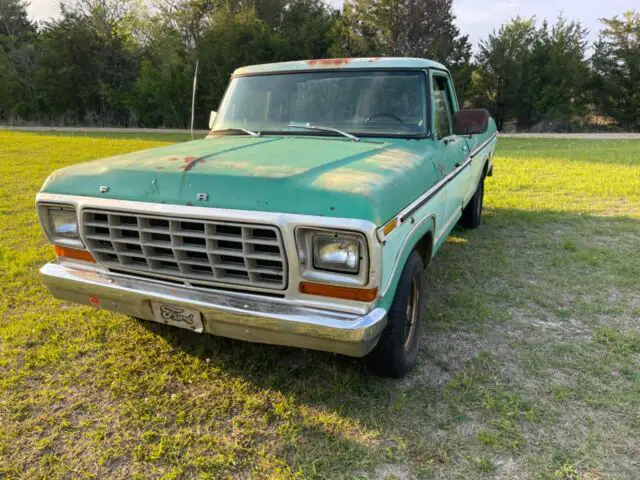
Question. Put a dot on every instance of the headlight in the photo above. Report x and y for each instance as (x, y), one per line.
(60, 223)
(336, 254)
(63, 222)
(333, 257)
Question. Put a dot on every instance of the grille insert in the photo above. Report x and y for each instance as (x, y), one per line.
(203, 250)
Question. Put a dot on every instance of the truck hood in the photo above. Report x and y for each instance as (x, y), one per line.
(369, 180)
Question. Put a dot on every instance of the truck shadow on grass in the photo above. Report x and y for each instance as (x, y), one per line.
(531, 333)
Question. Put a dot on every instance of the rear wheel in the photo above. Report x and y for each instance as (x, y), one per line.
(472, 213)
(397, 351)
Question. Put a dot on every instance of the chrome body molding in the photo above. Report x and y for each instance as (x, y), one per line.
(287, 223)
(410, 210)
(227, 314)
(419, 202)
(425, 197)
(477, 150)
(429, 194)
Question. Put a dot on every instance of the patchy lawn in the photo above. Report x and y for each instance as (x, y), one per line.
(530, 366)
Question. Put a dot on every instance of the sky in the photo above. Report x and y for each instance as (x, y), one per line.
(475, 18)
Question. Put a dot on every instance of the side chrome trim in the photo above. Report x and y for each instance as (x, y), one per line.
(421, 201)
(476, 150)
(424, 198)
(244, 317)
(429, 194)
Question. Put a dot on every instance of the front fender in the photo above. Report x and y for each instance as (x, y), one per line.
(396, 250)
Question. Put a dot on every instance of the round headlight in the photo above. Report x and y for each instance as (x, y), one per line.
(336, 254)
(64, 222)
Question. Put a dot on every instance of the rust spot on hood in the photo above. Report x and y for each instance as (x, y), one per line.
(336, 62)
(190, 162)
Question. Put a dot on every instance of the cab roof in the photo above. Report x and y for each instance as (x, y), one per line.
(340, 63)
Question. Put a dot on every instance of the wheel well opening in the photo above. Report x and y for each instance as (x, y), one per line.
(424, 247)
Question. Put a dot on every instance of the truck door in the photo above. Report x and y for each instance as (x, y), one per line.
(452, 151)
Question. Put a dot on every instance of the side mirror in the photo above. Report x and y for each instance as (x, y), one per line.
(212, 118)
(470, 122)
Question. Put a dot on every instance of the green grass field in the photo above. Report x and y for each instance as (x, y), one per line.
(530, 366)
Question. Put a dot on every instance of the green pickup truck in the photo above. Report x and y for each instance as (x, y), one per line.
(305, 218)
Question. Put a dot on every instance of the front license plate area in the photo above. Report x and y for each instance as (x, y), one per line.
(178, 316)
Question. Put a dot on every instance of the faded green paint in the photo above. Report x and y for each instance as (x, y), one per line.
(429, 219)
(373, 179)
(369, 180)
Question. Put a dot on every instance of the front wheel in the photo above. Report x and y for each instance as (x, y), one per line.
(397, 351)
(472, 213)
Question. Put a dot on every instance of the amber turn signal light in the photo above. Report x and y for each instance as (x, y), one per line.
(390, 226)
(348, 293)
(73, 253)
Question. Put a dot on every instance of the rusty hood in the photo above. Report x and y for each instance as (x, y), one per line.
(369, 180)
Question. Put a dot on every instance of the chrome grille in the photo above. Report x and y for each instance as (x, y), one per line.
(203, 250)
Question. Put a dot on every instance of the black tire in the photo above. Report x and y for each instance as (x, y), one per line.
(397, 351)
(472, 213)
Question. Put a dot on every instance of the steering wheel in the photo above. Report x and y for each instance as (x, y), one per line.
(384, 114)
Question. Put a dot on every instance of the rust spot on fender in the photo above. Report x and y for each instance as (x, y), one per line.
(328, 61)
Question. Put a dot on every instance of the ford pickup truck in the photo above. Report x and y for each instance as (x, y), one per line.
(305, 218)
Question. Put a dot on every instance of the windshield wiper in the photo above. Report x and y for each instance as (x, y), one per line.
(308, 126)
(238, 129)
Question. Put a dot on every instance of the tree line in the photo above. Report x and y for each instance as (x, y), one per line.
(131, 63)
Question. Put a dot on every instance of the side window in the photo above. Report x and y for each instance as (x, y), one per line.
(443, 108)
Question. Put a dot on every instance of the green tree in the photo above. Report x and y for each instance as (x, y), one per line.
(14, 21)
(234, 39)
(187, 17)
(405, 28)
(616, 67)
(502, 60)
(558, 73)
(17, 92)
(410, 28)
(85, 70)
(164, 82)
(305, 30)
(533, 75)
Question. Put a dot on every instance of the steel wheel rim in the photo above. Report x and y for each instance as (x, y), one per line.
(411, 314)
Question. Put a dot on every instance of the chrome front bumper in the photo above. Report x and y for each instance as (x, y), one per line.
(226, 314)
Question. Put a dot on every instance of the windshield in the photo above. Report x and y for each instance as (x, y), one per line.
(375, 103)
